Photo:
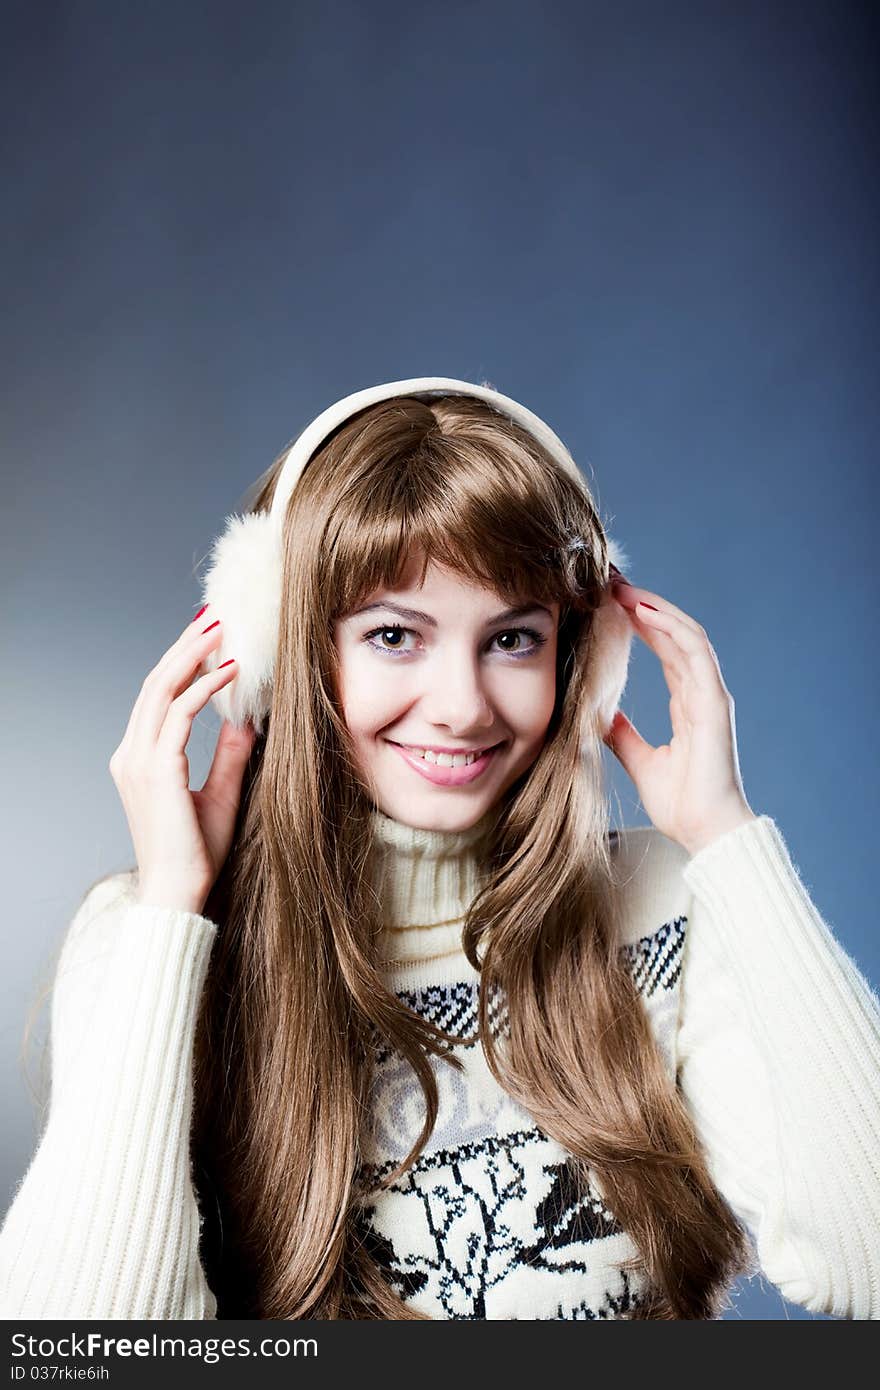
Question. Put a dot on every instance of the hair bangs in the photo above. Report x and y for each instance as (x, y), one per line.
(463, 505)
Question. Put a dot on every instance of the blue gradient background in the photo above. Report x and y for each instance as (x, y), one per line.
(654, 225)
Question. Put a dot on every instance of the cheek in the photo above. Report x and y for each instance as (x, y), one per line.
(528, 703)
(368, 695)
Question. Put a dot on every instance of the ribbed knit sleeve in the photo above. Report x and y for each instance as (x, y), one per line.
(105, 1223)
(778, 1057)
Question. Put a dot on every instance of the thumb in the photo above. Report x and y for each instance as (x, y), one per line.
(627, 744)
(233, 749)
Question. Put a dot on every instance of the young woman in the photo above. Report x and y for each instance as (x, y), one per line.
(387, 1022)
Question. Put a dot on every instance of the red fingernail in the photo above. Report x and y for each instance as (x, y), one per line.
(200, 612)
(652, 607)
(210, 625)
(225, 663)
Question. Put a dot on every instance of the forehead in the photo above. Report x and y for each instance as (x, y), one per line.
(420, 580)
(438, 579)
(449, 598)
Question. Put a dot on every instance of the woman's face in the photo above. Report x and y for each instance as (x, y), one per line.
(454, 672)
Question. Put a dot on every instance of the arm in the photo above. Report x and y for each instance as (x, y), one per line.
(105, 1223)
(779, 1062)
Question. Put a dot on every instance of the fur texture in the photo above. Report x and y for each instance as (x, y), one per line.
(243, 587)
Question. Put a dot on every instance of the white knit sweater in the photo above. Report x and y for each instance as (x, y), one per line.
(766, 1023)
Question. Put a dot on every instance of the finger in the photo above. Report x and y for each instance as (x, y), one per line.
(629, 595)
(234, 746)
(676, 668)
(177, 725)
(693, 644)
(189, 635)
(628, 746)
(169, 678)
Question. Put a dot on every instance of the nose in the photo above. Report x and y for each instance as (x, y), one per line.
(456, 698)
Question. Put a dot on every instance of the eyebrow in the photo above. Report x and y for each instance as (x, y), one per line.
(414, 616)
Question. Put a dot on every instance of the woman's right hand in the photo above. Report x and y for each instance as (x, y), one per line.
(181, 837)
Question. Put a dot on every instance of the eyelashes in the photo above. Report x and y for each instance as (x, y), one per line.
(537, 638)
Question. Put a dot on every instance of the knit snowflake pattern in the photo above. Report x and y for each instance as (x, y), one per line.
(492, 1220)
(498, 1226)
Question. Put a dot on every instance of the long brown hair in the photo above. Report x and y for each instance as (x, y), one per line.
(295, 1000)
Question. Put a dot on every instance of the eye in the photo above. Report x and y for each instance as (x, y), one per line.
(397, 649)
(383, 632)
(519, 632)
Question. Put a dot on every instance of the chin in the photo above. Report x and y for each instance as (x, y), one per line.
(449, 817)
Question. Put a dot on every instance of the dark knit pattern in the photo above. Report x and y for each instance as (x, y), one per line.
(492, 1220)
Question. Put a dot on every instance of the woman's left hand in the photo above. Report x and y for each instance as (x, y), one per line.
(691, 787)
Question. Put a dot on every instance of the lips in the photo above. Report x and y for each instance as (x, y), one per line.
(447, 776)
(418, 748)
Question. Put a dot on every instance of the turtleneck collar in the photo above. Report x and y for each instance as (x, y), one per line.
(426, 879)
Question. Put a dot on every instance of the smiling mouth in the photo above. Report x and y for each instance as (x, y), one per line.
(457, 758)
(451, 772)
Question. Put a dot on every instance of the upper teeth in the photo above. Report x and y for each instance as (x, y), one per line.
(447, 759)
